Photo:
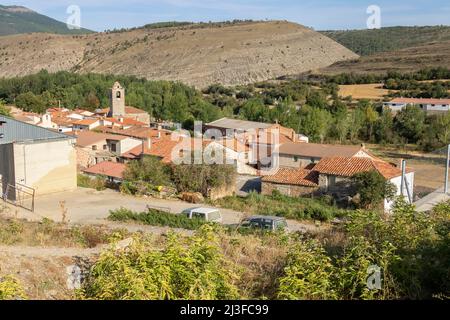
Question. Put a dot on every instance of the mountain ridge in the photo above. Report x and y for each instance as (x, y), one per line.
(20, 20)
(228, 54)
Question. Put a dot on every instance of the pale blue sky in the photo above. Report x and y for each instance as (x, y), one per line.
(320, 14)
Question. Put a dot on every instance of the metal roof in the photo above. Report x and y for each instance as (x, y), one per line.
(12, 130)
(202, 210)
(228, 123)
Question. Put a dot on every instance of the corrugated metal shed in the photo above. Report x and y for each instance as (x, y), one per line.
(16, 131)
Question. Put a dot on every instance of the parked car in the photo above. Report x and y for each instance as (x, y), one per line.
(207, 214)
(269, 223)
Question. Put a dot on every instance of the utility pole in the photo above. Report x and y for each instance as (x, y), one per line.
(446, 169)
(402, 185)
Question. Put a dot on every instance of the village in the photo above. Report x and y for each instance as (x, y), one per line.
(239, 156)
(45, 153)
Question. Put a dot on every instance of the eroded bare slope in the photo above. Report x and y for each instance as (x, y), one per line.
(236, 54)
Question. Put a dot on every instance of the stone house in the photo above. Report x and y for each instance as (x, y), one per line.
(301, 155)
(333, 176)
(93, 147)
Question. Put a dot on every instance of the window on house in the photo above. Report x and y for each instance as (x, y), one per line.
(295, 159)
(118, 95)
(105, 147)
(331, 181)
(113, 147)
(94, 148)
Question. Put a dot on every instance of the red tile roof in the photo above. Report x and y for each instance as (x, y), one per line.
(315, 150)
(128, 110)
(348, 167)
(338, 166)
(163, 147)
(301, 177)
(88, 138)
(109, 169)
(420, 101)
(125, 121)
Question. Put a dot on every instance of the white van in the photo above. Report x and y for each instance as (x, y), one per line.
(207, 214)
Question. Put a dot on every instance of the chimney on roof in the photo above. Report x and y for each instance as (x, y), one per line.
(159, 127)
(159, 134)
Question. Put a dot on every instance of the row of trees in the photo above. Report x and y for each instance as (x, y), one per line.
(421, 75)
(162, 99)
(316, 112)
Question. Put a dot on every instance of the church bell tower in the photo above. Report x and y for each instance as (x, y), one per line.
(117, 101)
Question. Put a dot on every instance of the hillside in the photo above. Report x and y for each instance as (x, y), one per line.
(368, 42)
(430, 55)
(18, 20)
(194, 54)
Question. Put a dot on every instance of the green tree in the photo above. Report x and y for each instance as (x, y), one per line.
(315, 122)
(373, 188)
(383, 128)
(150, 170)
(410, 123)
(254, 110)
(443, 128)
(91, 101)
(30, 102)
(4, 111)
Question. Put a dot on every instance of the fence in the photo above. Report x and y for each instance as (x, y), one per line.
(20, 195)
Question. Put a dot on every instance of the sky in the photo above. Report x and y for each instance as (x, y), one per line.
(100, 15)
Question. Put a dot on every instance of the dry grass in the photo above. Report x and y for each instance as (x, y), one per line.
(230, 55)
(372, 91)
(51, 234)
(429, 168)
(430, 55)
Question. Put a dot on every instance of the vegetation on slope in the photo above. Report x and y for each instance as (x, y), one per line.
(311, 108)
(367, 42)
(410, 248)
(17, 20)
(156, 217)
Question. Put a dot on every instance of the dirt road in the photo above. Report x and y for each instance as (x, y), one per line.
(87, 206)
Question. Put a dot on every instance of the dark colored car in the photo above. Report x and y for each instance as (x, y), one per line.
(269, 223)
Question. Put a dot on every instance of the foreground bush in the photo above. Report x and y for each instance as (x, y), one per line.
(192, 268)
(10, 289)
(410, 248)
(155, 217)
(98, 183)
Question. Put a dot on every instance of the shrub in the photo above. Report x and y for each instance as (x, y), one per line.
(98, 183)
(156, 218)
(283, 206)
(192, 268)
(373, 189)
(202, 178)
(150, 170)
(10, 289)
(308, 274)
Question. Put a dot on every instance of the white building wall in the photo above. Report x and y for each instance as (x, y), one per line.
(397, 182)
(127, 144)
(47, 167)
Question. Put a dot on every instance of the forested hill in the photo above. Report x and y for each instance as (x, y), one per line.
(18, 20)
(368, 42)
